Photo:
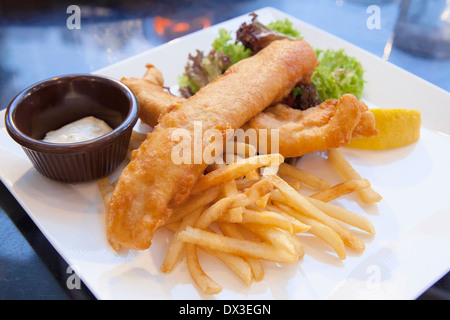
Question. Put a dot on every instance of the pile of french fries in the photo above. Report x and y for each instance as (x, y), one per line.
(253, 208)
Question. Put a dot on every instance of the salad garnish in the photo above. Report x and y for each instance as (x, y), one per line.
(337, 73)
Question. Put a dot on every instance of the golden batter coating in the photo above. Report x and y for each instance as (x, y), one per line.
(331, 124)
(153, 99)
(152, 181)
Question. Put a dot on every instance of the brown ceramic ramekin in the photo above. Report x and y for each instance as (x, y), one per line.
(53, 103)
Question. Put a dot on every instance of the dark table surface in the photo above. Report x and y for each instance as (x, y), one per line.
(36, 43)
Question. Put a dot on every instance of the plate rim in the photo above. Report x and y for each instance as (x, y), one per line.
(36, 220)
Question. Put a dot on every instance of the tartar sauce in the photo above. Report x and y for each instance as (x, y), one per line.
(81, 130)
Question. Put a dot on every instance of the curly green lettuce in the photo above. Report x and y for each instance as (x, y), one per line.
(256, 35)
(224, 44)
(285, 27)
(201, 70)
(337, 74)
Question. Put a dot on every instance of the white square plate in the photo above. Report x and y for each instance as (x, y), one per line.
(409, 252)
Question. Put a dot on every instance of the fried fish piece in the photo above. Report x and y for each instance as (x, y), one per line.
(152, 182)
(331, 124)
(153, 99)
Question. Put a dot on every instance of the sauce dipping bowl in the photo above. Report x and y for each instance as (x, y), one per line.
(53, 103)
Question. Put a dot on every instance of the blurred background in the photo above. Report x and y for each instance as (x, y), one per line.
(37, 41)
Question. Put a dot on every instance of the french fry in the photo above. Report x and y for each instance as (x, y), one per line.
(176, 246)
(319, 229)
(234, 171)
(251, 175)
(230, 188)
(341, 189)
(214, 166)
(244, 183)
(266, 218)
(233, 215)
(300, 203)
(298, 246)
(273, 236)
(262, 202)
(257, 201)
(240, 148)
(294, 183)
(207, 285)
(237, 265)
(341, 164)
(269, 206)
(297, 225)
(214, 212)
(277, 196)
(230, 158)
(303, 176)
(231, 230)
(193, 203)
(252, 194)
(258, 190)
(246, 248)
(344, 215)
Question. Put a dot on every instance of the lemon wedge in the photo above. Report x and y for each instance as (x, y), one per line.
(397, 127)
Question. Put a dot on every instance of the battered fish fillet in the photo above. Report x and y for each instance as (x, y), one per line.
(152, 182)
(153, 99)
(331, 124)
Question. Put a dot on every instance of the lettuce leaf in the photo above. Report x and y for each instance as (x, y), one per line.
(284, 27)
(302, 97)
(201, 70)
(235, 51)
(256, 36)
(337, 74)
